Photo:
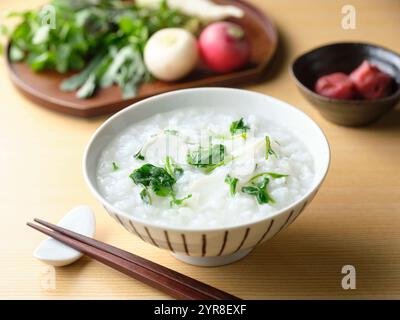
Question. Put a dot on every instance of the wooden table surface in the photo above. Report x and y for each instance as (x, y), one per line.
(355, 218)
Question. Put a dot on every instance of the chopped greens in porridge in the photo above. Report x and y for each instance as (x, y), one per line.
(204, 169)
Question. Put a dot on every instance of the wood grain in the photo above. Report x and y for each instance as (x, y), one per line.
(354, 219)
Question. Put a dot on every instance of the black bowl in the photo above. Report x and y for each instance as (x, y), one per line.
(345, 57)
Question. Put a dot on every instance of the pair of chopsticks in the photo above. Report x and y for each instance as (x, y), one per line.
(167, 280)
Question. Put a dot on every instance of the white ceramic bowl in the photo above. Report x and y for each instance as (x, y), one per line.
(217, 246)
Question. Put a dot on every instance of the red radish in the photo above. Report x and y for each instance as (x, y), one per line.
(224, 47)
(371, 82)
(335, 85)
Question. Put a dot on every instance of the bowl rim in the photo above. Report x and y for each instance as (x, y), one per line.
(313, 188)
(317, 96)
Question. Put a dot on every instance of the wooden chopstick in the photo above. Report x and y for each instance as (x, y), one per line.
(173, 275)
(160, 277)
(142, 274)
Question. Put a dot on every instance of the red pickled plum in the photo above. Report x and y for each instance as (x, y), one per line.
(335, 85)
(370, 82)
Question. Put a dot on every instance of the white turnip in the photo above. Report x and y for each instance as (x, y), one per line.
(171, 53)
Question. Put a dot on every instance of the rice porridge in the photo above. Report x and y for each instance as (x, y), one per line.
(199, 168)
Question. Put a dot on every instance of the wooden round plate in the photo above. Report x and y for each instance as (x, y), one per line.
(43, 87)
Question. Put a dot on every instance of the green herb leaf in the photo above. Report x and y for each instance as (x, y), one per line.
(145, 196)
(88, 88)
(268, 148)
(138, 155)
(239, 127)
(172, 168)
(78, 80)
(259, 190)
(115, 166)
(273, 175)
(179, 202)
(232, 182)
(219, 164)
(41, 35)
(16, 54)
(156, 178)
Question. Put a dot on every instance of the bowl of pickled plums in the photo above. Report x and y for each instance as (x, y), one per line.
(351, 84)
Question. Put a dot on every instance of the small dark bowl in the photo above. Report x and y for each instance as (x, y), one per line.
(345, 57)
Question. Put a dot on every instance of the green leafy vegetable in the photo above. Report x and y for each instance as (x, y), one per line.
(127, 69)
(239, 127)
(172, 168)
(207, 157)
(79, 80)
(155, 178)
(138, 155)
(179, 202)
(115, 166)
(273, 175)
(259, 190)
(268, 148)
(219, 164)
(16, 54)
(145, 196)
(101, 39)
(88, 88)
(158, 180)
(232, 182)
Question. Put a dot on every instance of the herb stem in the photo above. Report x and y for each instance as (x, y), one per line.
(232, 182)
(215, 166)
(115, 166)
(268, 148)
(271, 174)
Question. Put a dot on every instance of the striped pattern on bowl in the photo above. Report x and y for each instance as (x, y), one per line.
(211, 243)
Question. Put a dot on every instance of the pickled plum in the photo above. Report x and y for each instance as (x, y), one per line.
(370, 82)
(366, 81)
(335, 85)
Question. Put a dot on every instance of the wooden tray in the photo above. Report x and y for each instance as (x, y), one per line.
(43, 87)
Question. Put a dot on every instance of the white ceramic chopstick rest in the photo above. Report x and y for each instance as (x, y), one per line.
(81, 220)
